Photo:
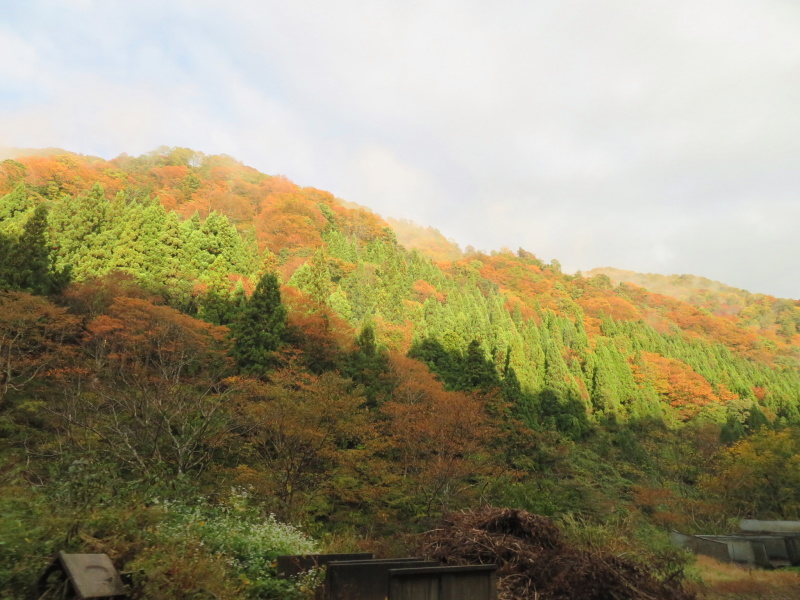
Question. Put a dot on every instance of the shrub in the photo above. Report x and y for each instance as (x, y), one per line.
(232, 541)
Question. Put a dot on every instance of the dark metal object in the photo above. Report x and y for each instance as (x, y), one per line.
(444, 583)
(365, 579)
(81, 576)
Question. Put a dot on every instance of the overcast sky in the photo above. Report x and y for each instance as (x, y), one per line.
(656, 136)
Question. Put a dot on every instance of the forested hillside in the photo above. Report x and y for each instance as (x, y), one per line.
(760, 311)
(186, 341)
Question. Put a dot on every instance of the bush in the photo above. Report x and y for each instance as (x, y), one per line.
(212, 545)
(28, 537)
(631, 537)
(172, 550)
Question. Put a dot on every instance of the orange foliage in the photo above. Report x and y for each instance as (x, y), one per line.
(138, 340)
(514, 302)
(33, 339)
(168, 201)
(360, 223)
(289, 221)
(171, 175)
(676, 382)
(396, 337)
(92, 297)
(434, 437)
(611, 305)
(321, 333)
(217, 198)
(425, 290)
(43, 170)
(506, 271)
(719, 329)
(592, 326)
(278, 185)
(691, 319)
(661, 311)
(68, 173)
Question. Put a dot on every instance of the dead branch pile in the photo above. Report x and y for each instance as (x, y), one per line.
(534, 562)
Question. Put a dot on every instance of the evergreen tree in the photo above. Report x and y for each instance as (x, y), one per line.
(367, 365)
(756, 419)
(77, 226)
(318, 285)
(732, 431)
(447, 364)
(28, 264)
(564, 414)
(260, 328)
(14, 209)
(340, 304)
(314, 278)
(477, 371)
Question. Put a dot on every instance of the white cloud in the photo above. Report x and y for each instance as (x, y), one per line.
(640, 135)
(411, 194)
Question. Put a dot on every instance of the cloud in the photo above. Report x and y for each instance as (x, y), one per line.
(639, 135)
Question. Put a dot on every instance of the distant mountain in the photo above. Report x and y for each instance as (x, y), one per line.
(760, 311)
(427, 240)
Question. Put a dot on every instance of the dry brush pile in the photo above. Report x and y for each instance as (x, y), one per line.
(534, 562)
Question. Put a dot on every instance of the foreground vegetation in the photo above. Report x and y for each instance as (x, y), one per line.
(195, 354)
(712, 580)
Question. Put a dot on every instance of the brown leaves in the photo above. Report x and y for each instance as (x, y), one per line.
(298, 431)
(33, 338)
(136, 338)
(151, 395)
(685, 390)
(435, 441)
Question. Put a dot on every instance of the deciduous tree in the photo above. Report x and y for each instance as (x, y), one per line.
(33, 338)
(299, 429)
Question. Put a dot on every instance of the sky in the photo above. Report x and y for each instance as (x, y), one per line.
(657, 136)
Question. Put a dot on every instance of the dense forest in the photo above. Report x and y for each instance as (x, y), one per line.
(203, 366)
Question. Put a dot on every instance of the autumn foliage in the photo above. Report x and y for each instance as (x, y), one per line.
(229, 334)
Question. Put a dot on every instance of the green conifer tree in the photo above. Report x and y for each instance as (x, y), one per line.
(28, 263)
(260, 328)
(477, 371)
(15, 209)
(367, 365)
(76, 225)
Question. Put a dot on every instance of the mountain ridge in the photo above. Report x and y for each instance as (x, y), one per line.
(226, 219)
(195, 344)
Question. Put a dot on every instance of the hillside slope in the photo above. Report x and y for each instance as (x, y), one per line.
(189, 225)
(189, 345)
(757, 311)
